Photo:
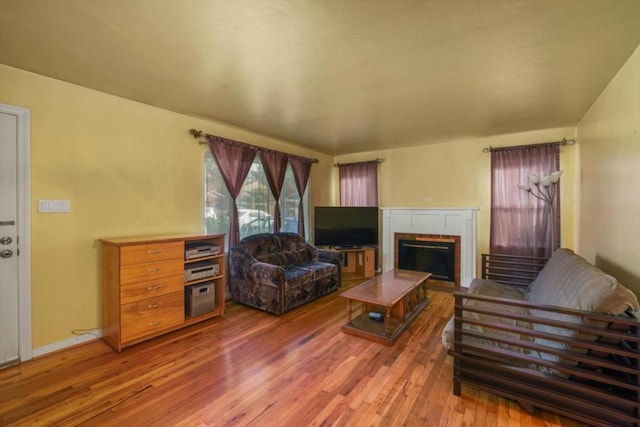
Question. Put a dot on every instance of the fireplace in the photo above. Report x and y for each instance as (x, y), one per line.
(439, 224)
(433, 253)
(435, 257)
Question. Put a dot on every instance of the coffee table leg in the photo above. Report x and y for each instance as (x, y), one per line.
(387, 322)
(349, 311)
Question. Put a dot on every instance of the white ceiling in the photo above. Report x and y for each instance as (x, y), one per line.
(336, 76)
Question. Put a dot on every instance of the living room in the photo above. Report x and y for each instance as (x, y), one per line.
(129, 168)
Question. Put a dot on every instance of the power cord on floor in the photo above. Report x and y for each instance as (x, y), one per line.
(85, 332)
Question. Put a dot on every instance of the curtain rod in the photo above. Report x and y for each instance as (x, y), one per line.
(563, 142)
(197, 134)
(337, 165)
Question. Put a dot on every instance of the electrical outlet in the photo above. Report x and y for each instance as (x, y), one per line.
(54, 206)
(428, 199)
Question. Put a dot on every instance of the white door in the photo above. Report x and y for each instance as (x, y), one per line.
(15, 327)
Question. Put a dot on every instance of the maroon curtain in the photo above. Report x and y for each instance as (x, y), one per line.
(359, 184)
(275, 166)
(301, 169)
(234, 160)
(519, 221)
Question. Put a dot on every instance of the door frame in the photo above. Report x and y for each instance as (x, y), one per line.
(23, 116)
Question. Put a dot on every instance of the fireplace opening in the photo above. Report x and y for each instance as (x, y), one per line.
(437, 258)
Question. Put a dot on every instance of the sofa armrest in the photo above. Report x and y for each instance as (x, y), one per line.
(515, 270)
(240, 262)
(256, 284)
(244, 267)
(332, 257)
(267, 274)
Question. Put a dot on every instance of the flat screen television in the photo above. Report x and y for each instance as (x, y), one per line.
(345, 226)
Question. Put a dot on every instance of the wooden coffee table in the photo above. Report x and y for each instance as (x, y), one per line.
(399, 295)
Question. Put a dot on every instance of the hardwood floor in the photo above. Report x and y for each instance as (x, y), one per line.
(252, 368)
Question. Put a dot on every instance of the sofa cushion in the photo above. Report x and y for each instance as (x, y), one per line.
(296, 257)
(329, 270)
(295, 249)
(296, 276)
(567, 280)
(492, 289)
(275, 258)
(263, 247)
(300, 287)
(320, 269)
(570, 281)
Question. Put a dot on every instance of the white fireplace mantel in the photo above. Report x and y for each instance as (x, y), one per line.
(443, 221)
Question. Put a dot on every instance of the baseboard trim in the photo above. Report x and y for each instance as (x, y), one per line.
(61, 345)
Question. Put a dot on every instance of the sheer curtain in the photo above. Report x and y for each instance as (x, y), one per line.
(520, 222)
(234, 162)
(359, 183)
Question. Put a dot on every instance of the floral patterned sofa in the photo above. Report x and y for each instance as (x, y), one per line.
(277, 272)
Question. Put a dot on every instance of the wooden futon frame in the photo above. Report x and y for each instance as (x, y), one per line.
(596, 380)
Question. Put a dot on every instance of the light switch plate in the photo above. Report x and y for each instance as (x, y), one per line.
(54, 205)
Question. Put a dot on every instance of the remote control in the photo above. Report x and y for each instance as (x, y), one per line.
(378, 317)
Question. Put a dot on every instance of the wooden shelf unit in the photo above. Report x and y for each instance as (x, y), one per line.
(144, 285)
(360, 263)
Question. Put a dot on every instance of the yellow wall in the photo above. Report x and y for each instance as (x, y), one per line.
(457, 174)
(127, 168)
(132, 169)
(609, 136)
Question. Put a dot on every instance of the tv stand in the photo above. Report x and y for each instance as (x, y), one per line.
(360, 262)
(347, 247)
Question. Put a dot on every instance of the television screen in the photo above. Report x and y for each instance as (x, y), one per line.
(345, 226)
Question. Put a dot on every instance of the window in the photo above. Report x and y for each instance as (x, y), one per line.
(255, 201)
(289, 202)
(358, 183)
(520, 223)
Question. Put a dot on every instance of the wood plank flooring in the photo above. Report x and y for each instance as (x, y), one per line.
(250, 368)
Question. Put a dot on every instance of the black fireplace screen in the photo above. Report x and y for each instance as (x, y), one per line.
(437, 258)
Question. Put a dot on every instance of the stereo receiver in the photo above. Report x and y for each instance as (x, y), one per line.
(200, 270)
(192, 252)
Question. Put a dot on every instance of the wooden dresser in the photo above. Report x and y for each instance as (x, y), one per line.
(148, 285)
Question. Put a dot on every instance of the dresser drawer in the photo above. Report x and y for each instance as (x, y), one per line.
(150, 271)
(137, 254)
(141, 290)
(152, 315)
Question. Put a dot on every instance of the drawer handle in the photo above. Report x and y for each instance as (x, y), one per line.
(156, 323)
(153, 270)
(154, 251)
(153, 287)
(156, 305)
